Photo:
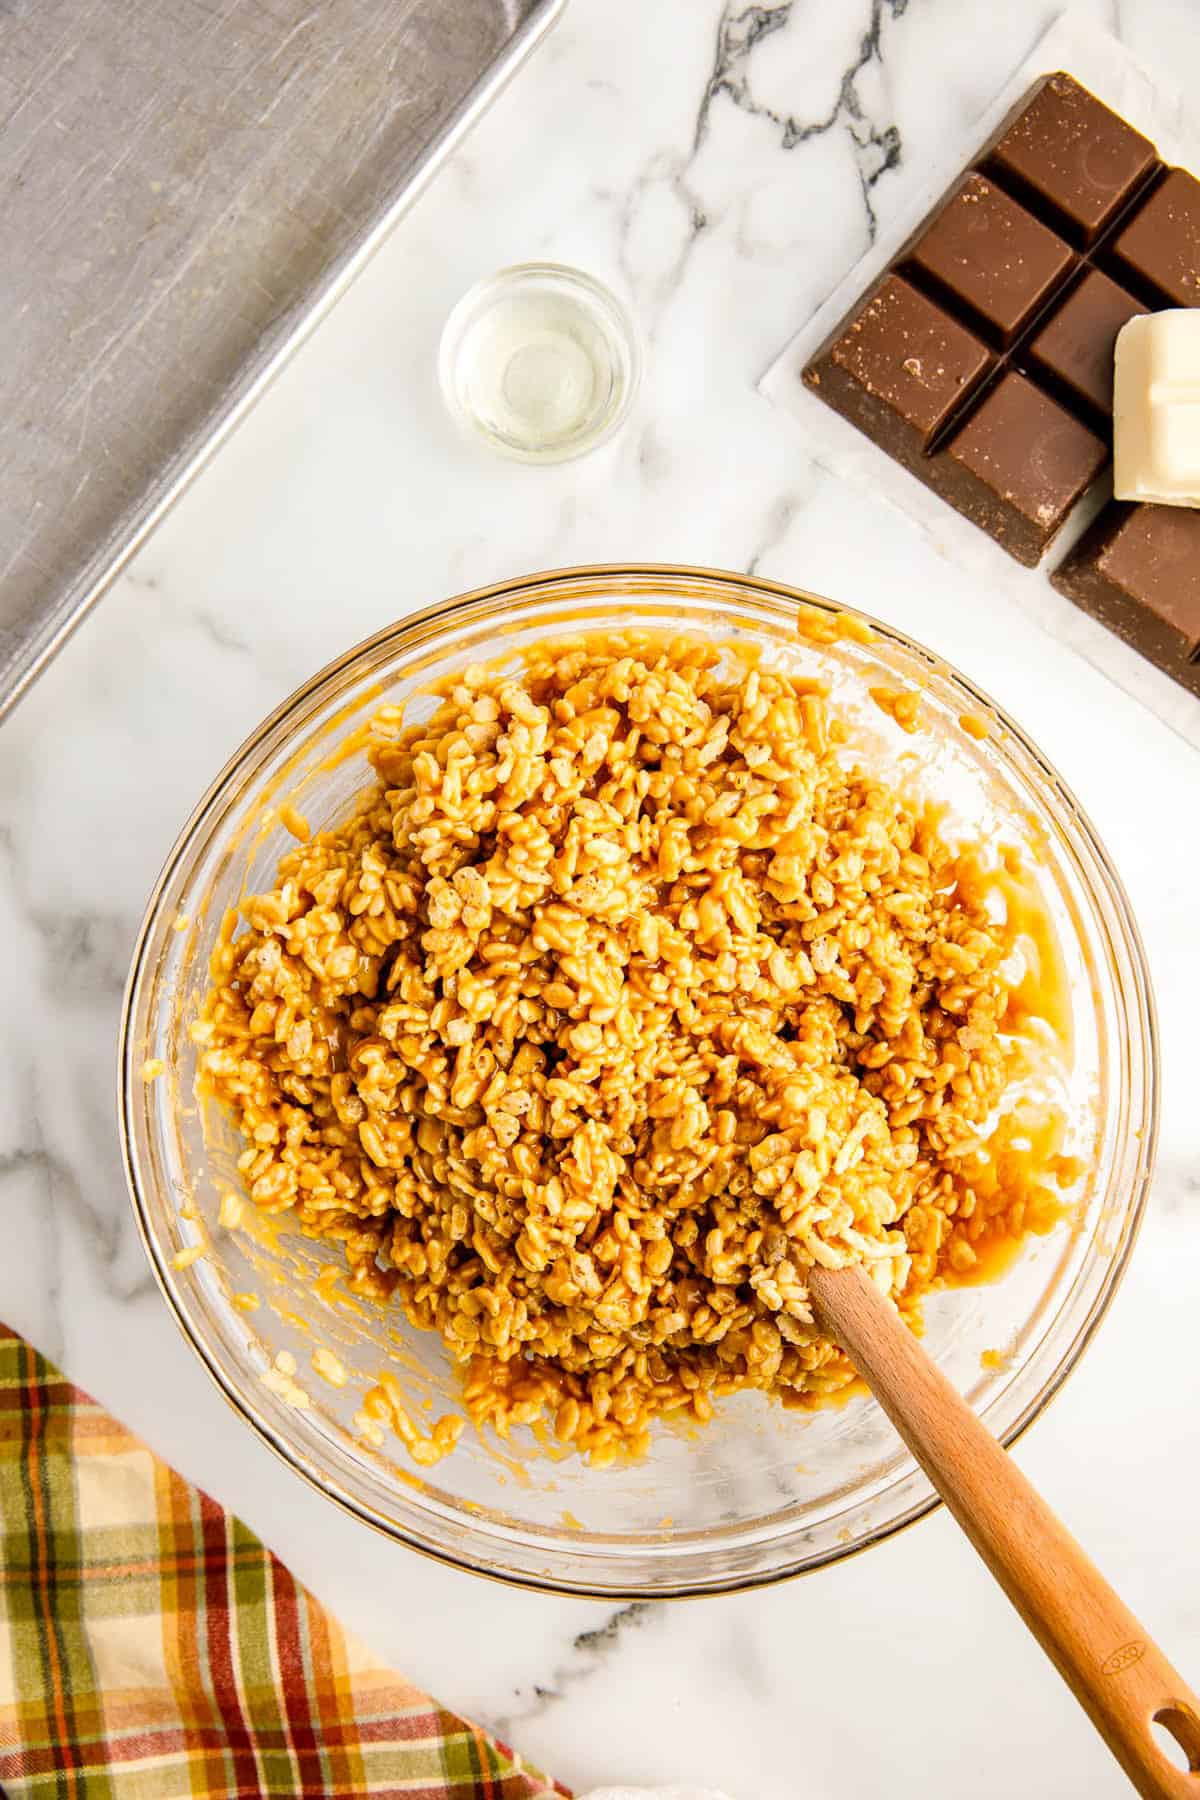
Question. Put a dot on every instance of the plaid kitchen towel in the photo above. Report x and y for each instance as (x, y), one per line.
(151, 1647)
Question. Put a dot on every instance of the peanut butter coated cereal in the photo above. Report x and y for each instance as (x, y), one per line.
(622, 999)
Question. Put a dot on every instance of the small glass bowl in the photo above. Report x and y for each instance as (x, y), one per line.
(539, 361)
(759, 1493)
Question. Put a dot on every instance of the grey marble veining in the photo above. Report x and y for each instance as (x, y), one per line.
(740, 33)
(589, 1652)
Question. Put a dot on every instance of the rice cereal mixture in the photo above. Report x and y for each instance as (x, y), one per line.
(622, 999)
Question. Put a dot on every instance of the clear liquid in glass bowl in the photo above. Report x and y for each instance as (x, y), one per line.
(540, 361)
(760, 1492)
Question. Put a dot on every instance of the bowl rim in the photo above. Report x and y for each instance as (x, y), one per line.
(415, 625)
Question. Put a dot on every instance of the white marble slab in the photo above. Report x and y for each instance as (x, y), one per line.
(723, 167)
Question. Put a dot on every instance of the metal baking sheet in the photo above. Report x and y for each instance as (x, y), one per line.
(186, 186)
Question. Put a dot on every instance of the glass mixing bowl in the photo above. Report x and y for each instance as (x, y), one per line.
(760, 1492)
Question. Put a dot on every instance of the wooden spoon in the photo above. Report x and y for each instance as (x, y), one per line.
(1112, 1667)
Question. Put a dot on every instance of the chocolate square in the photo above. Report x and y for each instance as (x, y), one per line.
(1075, 346)
(1159, 248)
(988, 253)
(1022, 462)
(1072, 157)
(1137, 570)
(900, 369)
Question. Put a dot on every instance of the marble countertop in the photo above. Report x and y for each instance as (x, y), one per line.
(722, 166)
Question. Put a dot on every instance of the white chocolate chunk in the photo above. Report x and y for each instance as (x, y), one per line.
(1156, 409)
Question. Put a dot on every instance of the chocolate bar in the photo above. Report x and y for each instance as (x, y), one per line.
(1137, 570)
(982, 358)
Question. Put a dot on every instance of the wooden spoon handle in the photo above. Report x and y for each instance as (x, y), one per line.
(1113, 1668)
